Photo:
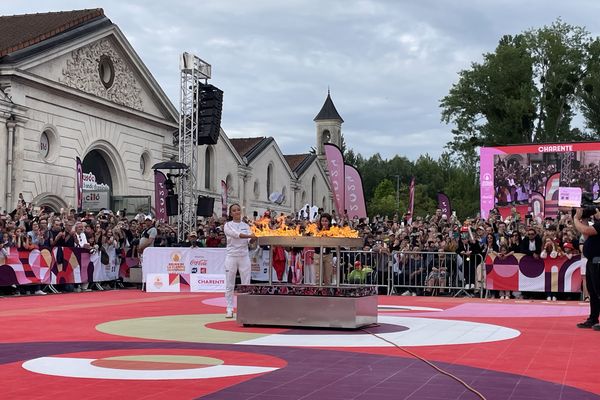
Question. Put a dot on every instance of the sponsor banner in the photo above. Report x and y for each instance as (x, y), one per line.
(96, 200)
(207, 282)
(536, 206)
(354, 196)
(551, 202)
(525, 273)
(160, 196)
(335, 166)
(182, 260)
(178, 283)
(487, 194)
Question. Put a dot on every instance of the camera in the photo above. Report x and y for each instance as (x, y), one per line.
(588, 205)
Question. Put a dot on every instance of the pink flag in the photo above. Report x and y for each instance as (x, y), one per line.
(223, 199)
(355, 198)
(411, 200)
(335, 166)
(160, 196)
(79, 183)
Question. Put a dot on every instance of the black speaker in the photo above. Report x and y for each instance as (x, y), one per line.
(205, 206)
(210, 107)
(172, 205)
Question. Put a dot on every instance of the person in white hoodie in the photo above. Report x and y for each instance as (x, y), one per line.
(238, 235)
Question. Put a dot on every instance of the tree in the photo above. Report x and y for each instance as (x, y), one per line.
(525, 91)
(383, 201)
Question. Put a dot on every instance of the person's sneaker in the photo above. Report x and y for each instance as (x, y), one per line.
(413, 294)
(407, 293)
(39, 292)
(549, 298)
(553, 298)
(229, 314)
(587, 324)
(596, 327)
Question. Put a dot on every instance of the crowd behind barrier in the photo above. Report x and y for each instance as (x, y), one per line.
(431, 254)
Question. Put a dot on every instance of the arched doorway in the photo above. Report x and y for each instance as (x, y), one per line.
(50, 202)
(95, 163)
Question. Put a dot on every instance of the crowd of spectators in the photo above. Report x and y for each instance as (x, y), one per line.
(387, 240)
(514, 180)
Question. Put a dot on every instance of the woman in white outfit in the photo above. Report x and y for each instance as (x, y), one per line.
(238, 235)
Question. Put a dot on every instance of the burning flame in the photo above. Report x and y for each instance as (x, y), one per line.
(261, 228)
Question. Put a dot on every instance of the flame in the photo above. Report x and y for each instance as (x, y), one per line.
(261, 228)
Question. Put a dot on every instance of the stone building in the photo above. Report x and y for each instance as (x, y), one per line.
(71, 85)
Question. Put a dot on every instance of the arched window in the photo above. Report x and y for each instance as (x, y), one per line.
(324, 203)
(269, 180)
(208, 168)
(313, 191)
(303, 197)
(229, 182)
(284, 195)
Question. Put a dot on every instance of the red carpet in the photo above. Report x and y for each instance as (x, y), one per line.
(135, 345)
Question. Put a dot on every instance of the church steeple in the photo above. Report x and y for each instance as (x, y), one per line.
(328, 110)
(329, 125)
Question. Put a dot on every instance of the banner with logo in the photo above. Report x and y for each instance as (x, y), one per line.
(354, 196)
(79, 183)
(182, 260)
(444, 204)
(335, 166)
(536, 206)
(178, 283)
(224, 189)
(411, 200)
(160, 196)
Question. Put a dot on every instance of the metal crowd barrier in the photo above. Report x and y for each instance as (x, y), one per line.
(379, 262)
(437, 273)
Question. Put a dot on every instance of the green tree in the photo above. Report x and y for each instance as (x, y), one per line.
(383, 201)
(526, 91)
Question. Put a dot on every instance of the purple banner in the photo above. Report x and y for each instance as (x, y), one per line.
(160, 196)
(335, 166)
(79, 184)
(355, 198)
(224, 199)
(444, 204)
(411, 200)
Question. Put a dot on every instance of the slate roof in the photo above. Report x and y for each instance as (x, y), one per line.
(18, 32)
(250, 147)
(328, 111)
(299, 162)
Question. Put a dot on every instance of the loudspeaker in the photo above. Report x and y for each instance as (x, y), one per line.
(210, 107)
(205, 206)
(172, 205)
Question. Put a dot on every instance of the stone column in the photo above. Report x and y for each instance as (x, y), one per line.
(10, 197)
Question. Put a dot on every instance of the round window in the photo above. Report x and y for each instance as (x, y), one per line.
(106, 71)
(44, 145)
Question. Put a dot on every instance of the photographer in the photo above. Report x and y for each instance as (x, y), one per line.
(591, 250)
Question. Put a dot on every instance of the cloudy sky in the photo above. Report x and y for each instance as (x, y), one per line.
(387, 63)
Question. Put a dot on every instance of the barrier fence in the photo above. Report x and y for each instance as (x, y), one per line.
(62, 265)
(422, 273)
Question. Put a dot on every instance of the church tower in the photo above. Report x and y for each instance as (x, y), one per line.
(329, 127)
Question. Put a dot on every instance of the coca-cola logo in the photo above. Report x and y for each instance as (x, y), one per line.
(198, 262)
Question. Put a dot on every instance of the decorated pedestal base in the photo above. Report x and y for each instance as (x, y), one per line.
(309, 306)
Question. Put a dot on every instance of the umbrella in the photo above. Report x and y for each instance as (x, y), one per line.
(169, 165)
